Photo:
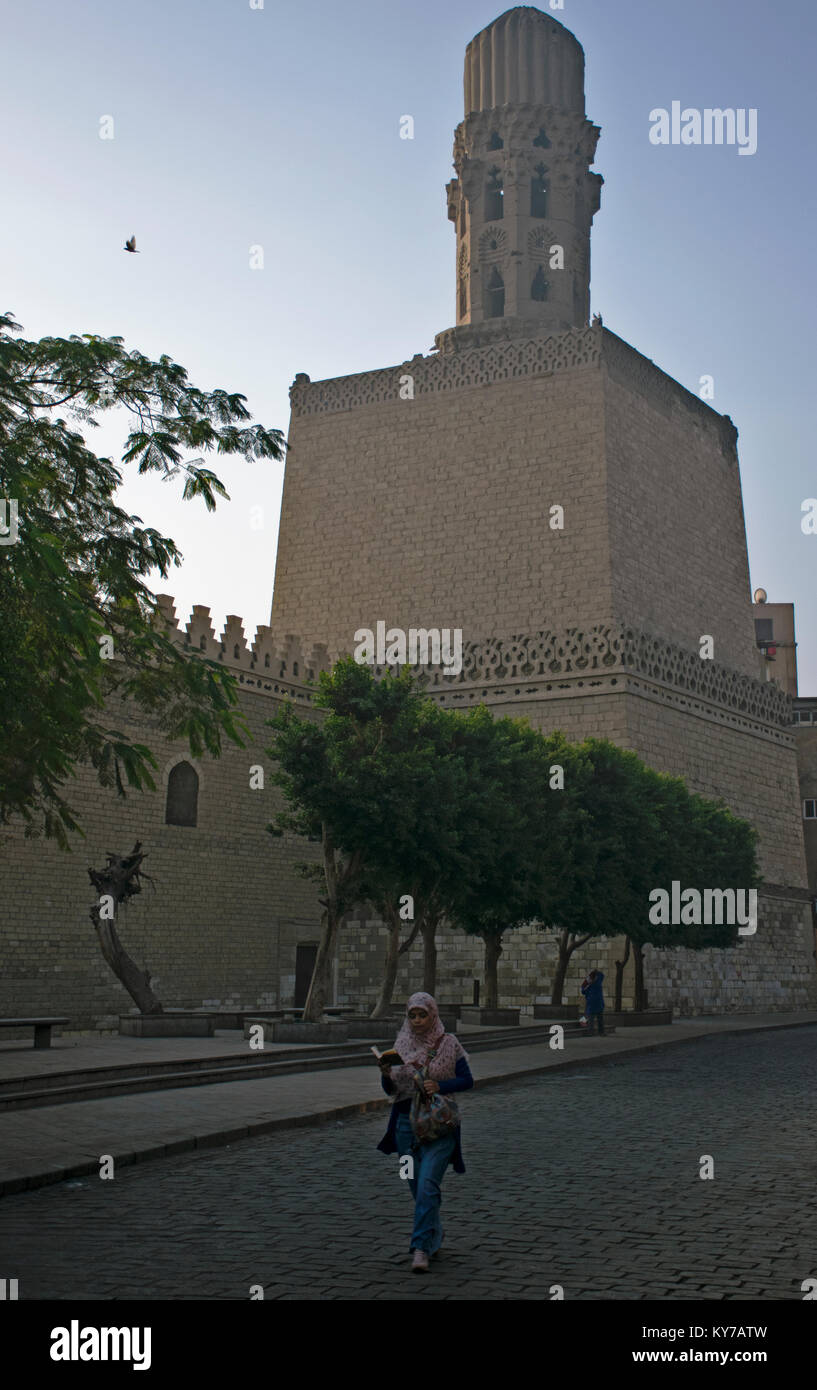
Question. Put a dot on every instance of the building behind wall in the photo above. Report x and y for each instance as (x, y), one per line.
(805, 712)
(776, 642)
(775, 635)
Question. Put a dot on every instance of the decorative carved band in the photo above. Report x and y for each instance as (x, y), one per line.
(606, 649)
(450, 371)
(284, 665)
(570, 135)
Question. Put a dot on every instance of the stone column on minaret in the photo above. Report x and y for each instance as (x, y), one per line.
(523, 186)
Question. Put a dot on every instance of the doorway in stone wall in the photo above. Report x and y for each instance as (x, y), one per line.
(305, 957)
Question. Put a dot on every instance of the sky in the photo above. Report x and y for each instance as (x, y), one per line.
(238, 127)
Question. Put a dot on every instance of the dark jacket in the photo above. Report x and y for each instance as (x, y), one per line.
(461, 1081)
(593, 997)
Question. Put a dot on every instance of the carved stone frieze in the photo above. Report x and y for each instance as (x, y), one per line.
(603, 650)
(453, 370)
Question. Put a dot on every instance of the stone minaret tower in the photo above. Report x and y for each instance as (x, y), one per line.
(523, 199)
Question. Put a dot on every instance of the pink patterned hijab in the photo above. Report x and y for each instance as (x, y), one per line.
(414, 1048)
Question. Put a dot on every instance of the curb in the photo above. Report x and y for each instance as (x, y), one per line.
(223, 1137)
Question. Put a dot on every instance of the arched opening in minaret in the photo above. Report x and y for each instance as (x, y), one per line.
(494, 196)
(542, 140)
(539, 192)
(539, 286)
(496, 142)
(463, 303)
(495, 308)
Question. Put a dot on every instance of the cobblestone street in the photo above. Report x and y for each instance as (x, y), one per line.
(587, 1179)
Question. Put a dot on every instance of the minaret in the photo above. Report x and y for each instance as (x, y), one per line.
(524, 197)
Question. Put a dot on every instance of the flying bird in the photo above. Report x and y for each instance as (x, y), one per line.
(130, 245)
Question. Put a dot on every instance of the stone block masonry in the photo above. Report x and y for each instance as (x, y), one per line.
(221, 923)
(447, 495)
(448, 491)
(434, 511)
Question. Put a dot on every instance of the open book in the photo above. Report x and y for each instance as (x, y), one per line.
(390, 1057)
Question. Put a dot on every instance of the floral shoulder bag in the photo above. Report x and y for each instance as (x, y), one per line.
(432, 1117)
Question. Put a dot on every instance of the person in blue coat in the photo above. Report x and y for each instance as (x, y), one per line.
(446, 1070)
(594, 1000)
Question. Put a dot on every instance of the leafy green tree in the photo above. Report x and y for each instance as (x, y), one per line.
(73, 587)
(358, 781)
(570, 904)
(611, 879)
(702, 845)
(521, 824)
(649, 830)
(421, 851)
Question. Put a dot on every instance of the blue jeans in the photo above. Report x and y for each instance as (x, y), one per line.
(430, 1162)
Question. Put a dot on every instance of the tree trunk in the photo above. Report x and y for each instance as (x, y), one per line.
(620, 964)
(383, 1005)
(567, 945)
(136, 981)
(493, 950)
(429, 929)
(561, 970)
(339, 899)
(640, 991)
(118, 881)
(318, 996)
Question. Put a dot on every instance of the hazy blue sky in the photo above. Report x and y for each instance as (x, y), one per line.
(280, 127)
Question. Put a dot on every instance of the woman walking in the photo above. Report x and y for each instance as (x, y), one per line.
(424, 1046)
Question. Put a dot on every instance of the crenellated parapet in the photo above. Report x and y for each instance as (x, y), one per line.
(269, 658)
(545, 665)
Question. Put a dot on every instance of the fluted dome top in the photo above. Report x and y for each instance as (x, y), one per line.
(524, 56)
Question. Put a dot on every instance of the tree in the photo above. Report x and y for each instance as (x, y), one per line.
(570, 906)
(437, 846)
(702, 845)
(82, 635)
(620, 967)
(120, 880)
(649, 830)
(356, 780)
(413, 860)
(520, 822)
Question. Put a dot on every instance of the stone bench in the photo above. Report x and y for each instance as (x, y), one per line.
(42, 1027)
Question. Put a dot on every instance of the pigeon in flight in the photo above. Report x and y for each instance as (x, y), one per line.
(130, 245)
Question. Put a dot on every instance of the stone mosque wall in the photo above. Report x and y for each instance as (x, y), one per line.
(434, 511)
(676, 527)
(728, 735)
(221, 922)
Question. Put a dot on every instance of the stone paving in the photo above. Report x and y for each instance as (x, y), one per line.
(588, 1179)
(56, 1142)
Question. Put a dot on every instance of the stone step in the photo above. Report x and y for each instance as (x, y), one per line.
(124, 1070)
(60, 1088)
